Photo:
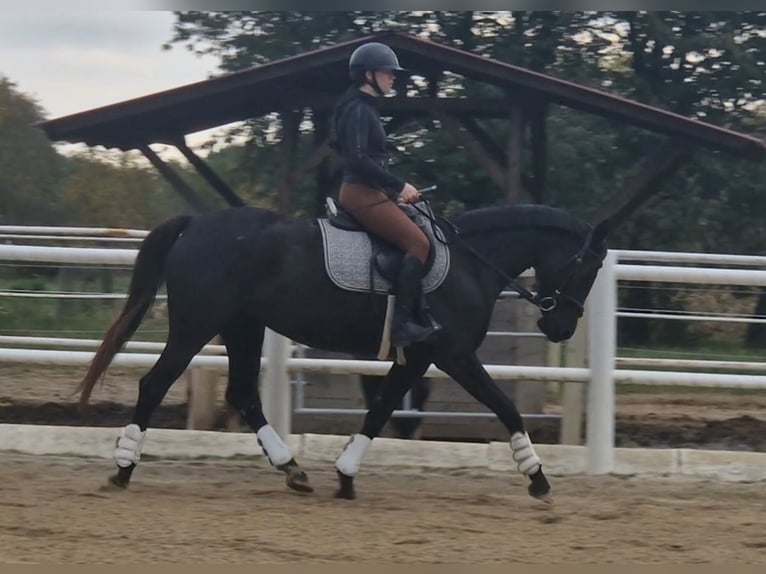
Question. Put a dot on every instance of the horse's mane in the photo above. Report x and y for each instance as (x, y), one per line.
(510, 216)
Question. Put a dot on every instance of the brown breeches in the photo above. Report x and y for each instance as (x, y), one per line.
(382, 217)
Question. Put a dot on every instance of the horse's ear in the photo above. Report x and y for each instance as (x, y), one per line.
(601, 231)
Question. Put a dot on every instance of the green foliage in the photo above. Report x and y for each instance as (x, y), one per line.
(114, 195)
(29, 167)
(85, 318)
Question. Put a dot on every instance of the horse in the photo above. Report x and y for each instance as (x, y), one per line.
(402, 427)
(234, 272)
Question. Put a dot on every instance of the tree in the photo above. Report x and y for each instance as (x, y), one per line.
(123, 194)
(29, 166)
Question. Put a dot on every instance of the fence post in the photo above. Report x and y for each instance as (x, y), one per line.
(573, 394)
(202, 395)
(602, 344)
(275, 385)
(202, 398)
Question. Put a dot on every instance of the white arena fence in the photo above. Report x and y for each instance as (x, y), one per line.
(601, 319)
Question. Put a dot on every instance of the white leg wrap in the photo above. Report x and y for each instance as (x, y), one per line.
(129, 444)
(273, 446)
(524, 454)
(351, 458)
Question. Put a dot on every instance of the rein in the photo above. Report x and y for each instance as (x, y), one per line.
(545, 304)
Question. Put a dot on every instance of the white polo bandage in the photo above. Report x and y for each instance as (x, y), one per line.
(128, 448)
(524, 454)
(273, 446)
(350, 459)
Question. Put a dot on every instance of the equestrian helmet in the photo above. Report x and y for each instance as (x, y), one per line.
(374, 56)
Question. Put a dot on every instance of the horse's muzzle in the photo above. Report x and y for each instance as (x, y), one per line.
(553, 331)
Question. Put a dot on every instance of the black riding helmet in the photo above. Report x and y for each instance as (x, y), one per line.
(372, 56)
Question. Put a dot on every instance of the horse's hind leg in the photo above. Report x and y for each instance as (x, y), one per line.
(397, 382)
(470, 374)
(181, 347)
(244, 342)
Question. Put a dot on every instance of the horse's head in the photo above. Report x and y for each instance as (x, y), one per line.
(564, 278)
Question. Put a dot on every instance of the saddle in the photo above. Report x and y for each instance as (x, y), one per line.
(358, 261)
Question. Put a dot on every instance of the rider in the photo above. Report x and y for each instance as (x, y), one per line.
(370, 192)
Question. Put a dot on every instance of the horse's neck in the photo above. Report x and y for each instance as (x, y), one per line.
(511, 251)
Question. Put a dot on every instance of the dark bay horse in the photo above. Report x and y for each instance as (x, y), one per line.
(236, 271)
(402, 427)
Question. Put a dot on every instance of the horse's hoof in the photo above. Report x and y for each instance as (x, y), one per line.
(540, 488)
(546, 498)
(299, 481)
(121, 480)
(296, 479)
(346, 489)
(116, 482)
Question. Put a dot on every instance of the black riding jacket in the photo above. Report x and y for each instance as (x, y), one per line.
(361, 141)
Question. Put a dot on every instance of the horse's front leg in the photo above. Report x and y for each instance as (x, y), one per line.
(244, 342)
(397, 382)
(470, 374)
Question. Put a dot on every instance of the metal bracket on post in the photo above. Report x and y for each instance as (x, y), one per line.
(275, 385)
(602, 344)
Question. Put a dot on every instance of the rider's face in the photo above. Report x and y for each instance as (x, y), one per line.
(385, 79)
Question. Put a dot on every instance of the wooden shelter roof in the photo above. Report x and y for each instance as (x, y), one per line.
(314, 79)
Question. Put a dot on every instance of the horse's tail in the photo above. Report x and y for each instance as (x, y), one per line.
(148, 275)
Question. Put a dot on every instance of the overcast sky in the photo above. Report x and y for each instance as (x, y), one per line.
(70, 61)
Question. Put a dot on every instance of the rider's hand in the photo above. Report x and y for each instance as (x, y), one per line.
(409, 194)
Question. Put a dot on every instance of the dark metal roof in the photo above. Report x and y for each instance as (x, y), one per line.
(317, 76)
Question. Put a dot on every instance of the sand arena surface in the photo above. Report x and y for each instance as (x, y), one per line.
(53, 509)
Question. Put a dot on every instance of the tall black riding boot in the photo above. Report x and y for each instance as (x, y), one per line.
(423, 311)
(405, 330)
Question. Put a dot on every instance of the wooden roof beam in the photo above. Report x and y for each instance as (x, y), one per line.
(210, 176)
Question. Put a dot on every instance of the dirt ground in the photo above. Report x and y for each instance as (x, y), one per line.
(662, 418)
(53, 509)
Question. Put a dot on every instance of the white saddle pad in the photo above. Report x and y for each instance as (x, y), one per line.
(347, 259)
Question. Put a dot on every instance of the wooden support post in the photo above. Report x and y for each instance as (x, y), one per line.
(657, 168)
(573, 395)
(210, 176)
(320, 153)
(202, 399)
(553, 359)
(323, 172)
(290, 131)
(473, 148)
(192, 197)
(514, 164)
(488, 144)
(539, 145)
(202, 396)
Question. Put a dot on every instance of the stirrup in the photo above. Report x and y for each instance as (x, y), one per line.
(427, 332)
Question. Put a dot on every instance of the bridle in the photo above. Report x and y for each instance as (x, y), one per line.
(575, 262)
(547, 303)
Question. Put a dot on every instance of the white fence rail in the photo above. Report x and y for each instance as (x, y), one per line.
(601, 309)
